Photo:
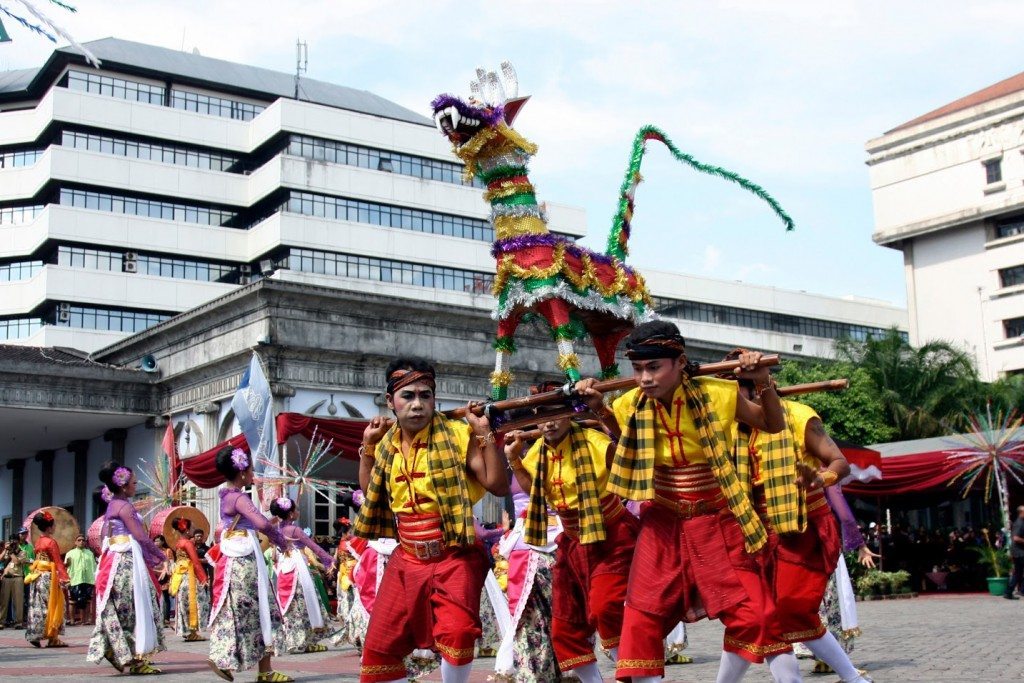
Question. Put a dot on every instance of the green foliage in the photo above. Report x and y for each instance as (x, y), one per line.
(876, 582)
(856, 414)
(997, 561)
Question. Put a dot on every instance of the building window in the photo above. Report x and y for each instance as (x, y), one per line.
(338, 208)
(185, 269)
(215, 106)
(1010, 277)
(94, 318)
(133, 149)
(90, 259)
(19, 158)
(385, 270)
(764, 320)
(993, 171)
(16, 215)
(116, 87)
(19, 328)
(19, 270)
(1014, 327)
(334, 152)
(1010, 227)
(102, 201)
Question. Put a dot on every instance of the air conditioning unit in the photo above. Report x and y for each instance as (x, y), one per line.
(131, 256)
(130, 266)
(63, 312)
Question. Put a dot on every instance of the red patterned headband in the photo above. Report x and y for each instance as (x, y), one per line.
(403, 378)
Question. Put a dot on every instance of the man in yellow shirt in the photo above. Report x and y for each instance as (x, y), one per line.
(567, 471)
(698, 551)
(425, 472)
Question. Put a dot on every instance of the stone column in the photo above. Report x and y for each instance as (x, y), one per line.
(17, 468)
(46, 479)
(116, 437)
(80, 449)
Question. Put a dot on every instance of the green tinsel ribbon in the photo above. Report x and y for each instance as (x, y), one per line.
(505, 344)
(617, 246)
(524, 198)
(573, 329)
(610, 372)
(499, 172)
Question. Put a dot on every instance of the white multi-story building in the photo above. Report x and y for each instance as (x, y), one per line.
(188, 210)
(948, 189)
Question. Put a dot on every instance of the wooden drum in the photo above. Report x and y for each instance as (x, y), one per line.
(65, 527)
(95, 535)
(163, 523)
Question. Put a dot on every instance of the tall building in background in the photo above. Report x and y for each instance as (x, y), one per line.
(948, 189)
(166, 215)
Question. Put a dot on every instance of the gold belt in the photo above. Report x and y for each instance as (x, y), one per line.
(816, 504)
(688, 509)
(236, 534)
(119, 539)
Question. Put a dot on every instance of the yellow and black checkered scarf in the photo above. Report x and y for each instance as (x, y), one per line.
(447, 476)
(786, 502)
(632, 473)
(591, 519)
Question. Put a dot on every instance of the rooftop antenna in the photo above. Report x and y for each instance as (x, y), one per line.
(301, 62)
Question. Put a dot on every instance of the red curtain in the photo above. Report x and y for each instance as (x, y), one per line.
(345, 434)
(201, 469)
(902, 474)
(859, 455)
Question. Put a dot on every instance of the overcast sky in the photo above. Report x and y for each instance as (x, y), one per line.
(785, 93)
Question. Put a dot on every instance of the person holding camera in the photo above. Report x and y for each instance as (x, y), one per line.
(12, 584)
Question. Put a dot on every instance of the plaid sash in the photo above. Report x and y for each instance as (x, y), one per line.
(786, 502)
(591, 519)
(447, 476)
(632, 473)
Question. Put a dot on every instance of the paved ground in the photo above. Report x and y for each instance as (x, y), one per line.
(936, 639)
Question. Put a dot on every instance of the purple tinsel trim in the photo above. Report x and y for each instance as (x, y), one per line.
(521, 242)
(121, 476)
(239, 459)
(106, 495)
(489, 115)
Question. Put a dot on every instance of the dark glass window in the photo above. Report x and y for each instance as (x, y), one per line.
(993, 171)
(100, 201)
(115, 87)
(111, 319)
(1008, 277)
(215, 106)
(335, 152)
(339, 208)
(386, 270)
(18, 328)
(168, 154)
(19, 270)
(1013, 327)
(1010, 227)
(19, 158)
(15, 215)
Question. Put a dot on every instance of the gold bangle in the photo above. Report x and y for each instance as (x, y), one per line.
(829, 478)
(761, 388)
(485, 439)
(363, 452)
(516, 463)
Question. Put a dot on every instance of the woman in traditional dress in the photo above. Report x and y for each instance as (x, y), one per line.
(127, 610)
(245, 624)
(188, 585)
(345, 559)
(297, 597)
(47, 576)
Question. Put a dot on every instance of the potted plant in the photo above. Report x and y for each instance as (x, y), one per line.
(998, 563)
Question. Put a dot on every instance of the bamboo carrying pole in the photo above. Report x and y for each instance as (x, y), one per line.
(559, 395)
(793, 390)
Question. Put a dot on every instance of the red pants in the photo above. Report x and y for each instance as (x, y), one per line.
(687, 569)
(803, 564)
(429, 604)
(588, 591)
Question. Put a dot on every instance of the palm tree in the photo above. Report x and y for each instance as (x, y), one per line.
(925, 391)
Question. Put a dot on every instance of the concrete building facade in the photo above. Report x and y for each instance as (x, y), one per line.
(948, 191)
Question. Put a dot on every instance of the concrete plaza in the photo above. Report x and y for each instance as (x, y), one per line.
(936, 639)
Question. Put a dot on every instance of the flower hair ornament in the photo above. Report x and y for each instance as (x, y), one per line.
(284, 503)
(240, 459)
(121, 476)
(358, 498)
(106, 495)
(47, 516)
(182, 524)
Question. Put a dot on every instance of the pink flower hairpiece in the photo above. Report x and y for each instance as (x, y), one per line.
(121, 476)
(358, 498)
(284, 503)
(106, 495)
(239, 459)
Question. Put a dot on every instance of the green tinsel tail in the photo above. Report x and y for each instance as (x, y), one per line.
(618, 239)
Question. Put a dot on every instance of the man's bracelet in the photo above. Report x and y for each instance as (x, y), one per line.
(760, 388)
(366, 450)
(829, 478)
(516, 463)
(484, 439)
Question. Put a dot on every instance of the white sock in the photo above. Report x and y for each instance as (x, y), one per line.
(828, 650)
(588, 673)
(614, 654)
(455, 674)
(784, 668)
(731, 668)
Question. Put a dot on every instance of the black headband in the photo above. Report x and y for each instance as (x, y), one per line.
(656, 346)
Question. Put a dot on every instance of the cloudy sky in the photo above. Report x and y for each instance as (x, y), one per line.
(785, 93)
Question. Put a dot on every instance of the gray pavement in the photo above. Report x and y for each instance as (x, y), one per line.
(936, 639)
